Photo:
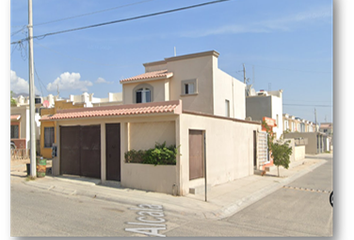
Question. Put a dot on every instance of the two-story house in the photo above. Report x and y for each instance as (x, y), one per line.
(186, 101)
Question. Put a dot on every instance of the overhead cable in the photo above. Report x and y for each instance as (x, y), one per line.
(121, 20)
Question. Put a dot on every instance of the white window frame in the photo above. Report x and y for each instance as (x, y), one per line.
(144, 88)
(192, 86)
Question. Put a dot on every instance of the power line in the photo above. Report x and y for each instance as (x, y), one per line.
(91, 13)
(121, 20)
(307, 105)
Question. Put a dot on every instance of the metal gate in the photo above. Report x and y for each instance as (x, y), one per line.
(80, 150)
(262, 152)
(196, 165)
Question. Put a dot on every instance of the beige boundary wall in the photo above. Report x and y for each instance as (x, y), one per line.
(299, 153)
(159, 178)
(229, 148)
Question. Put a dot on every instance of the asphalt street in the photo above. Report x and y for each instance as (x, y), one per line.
(300, 208)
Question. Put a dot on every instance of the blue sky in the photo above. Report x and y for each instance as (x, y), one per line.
(284, 45)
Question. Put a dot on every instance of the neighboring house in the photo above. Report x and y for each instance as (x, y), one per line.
(266, 104)
(20, 126)
(316, 142)
(90, 101)
(185, 101)
(326, 128)
(48, 129)
(296, 124)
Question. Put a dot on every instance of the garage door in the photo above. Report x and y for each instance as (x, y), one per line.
(80, 151)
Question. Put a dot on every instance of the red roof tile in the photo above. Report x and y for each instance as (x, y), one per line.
(149, 76)
(174, 107)
(15, 117)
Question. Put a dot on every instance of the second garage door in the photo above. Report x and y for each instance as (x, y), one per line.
(80, 151)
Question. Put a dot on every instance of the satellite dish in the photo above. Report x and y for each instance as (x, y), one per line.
(46, 103)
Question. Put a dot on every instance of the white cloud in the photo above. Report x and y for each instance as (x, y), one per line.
(102, 80)
(19, 85)
(69, 81)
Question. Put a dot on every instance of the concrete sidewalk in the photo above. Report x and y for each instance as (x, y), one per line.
(223, 200)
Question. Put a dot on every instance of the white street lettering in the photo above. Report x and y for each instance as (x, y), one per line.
(147, 231)
(151, 216)
(144, 220)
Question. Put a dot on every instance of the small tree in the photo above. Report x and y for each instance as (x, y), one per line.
(279, 151)
(281, 154)
(12, 100)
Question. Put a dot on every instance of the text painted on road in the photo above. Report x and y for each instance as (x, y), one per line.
(150, 220)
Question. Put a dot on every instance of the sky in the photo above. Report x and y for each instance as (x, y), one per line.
(284, 45)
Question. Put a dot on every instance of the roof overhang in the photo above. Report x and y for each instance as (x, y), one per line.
(140, 109)
(148, 76)
(15, 117)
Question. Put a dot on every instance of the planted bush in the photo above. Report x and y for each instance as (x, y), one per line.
(160, 155)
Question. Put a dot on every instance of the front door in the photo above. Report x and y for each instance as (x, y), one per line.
(196, 153)
(113, 151)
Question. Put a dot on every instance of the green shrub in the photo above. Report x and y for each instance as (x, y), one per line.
(160, 155)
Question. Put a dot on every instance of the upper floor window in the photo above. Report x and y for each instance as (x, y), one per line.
(143, 93)
(189, 87)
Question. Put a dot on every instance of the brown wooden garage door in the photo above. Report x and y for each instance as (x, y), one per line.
(80, 151)
(196, 165)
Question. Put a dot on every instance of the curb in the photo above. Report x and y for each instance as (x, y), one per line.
(252, 198)
(223, 212)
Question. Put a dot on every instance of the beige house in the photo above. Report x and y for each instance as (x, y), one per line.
(185, 101)
(296, 124)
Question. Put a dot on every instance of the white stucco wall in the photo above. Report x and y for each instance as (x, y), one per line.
(277, 110)
(158, 91)
(199, 68)
(228, 88)
(143, 136)
(229, 148)
(159, 178)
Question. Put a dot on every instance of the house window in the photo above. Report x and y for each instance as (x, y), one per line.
(189, 87)
(48, 137)
(14, 131)
(143, 95)
(227, 108)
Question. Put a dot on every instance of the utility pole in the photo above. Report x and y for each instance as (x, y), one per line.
(244, 73)
(31, 94)
(315, 120)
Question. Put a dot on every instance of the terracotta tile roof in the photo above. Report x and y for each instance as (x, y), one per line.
(162, 74)
(326, 125)
(15, 117)
(174, 107)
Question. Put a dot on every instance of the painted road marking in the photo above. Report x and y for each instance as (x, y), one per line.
(151, 216)
(307, 189)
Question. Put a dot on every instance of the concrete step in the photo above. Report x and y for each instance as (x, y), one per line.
(270, 168)
(199, 189)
